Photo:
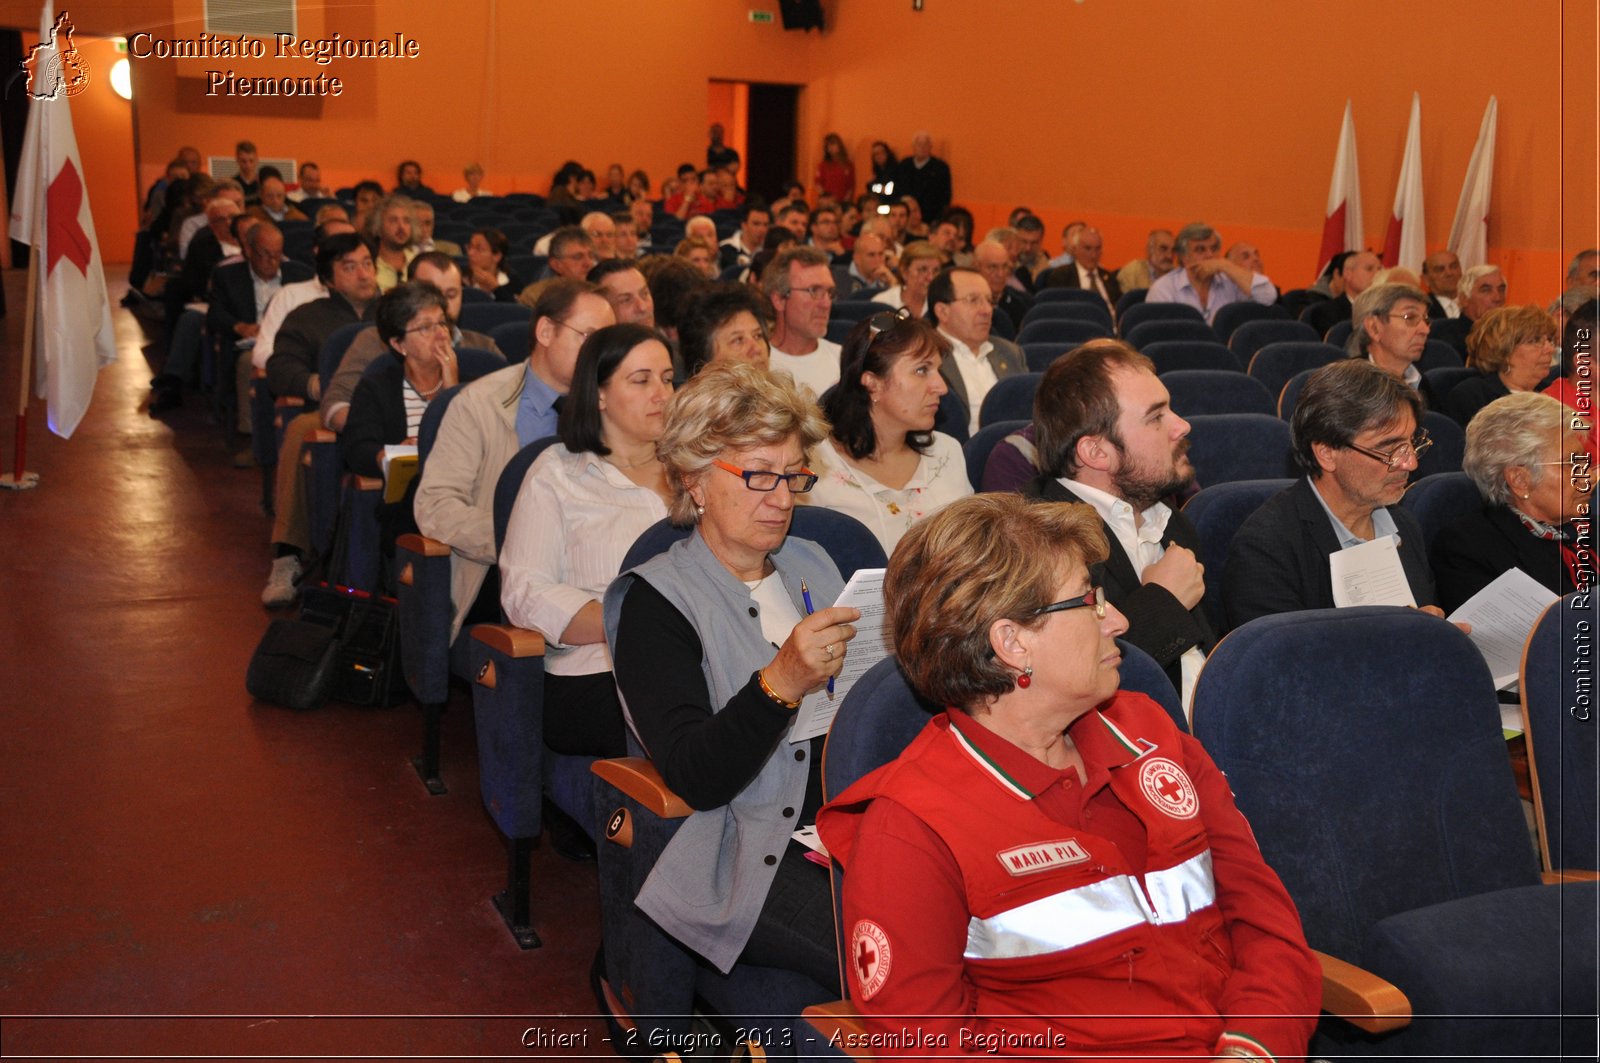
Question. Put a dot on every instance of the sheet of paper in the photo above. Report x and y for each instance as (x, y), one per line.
(1370, 574)
(1510, 720)
(1502, 615)
(863, 592)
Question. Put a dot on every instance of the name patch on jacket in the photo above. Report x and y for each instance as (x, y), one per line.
(1027, 859)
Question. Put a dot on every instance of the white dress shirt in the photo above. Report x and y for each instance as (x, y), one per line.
(574, 520)
(977, 375)
(1142, 545)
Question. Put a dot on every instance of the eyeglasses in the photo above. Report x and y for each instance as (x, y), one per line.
(1410, 317)
(818, 292)
(441, 325)
(765, 480)
(1415, 448)
(583, 334)
(1093, 598)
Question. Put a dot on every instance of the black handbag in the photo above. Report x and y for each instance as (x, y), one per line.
(294, 664)
(344, 646)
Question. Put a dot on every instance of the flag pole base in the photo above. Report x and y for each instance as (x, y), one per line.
(25, 482)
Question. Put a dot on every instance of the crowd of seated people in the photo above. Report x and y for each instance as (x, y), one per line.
(679, 351)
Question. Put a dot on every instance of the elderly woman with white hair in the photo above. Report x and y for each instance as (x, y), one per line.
(1532, 469)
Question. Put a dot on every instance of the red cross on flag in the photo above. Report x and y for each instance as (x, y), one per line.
(1341, 231)
(50, 212)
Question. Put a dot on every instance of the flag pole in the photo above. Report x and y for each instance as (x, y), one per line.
(17, 479)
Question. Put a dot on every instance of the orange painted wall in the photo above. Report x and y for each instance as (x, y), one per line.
(1126, 112)
(1149, 112)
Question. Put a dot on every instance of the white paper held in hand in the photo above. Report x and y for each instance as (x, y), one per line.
(863, 592)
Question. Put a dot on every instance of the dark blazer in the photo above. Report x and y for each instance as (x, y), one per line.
(1476, 550)
(1436, 309)
(1016, 304)
(232, 299)
(1278, 562)
(1006, 359)
(1452, 330)
(1328, 313)
(377, 417)
(1463, 401)
(1157, 622)
(1067, 277)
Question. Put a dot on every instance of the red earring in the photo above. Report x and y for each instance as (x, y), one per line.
(1025, 680)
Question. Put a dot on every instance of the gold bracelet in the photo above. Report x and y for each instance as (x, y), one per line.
(773, 694)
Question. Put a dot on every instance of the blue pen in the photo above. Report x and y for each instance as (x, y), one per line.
(805, 596)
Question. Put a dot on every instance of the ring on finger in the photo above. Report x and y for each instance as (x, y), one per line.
(828, 649)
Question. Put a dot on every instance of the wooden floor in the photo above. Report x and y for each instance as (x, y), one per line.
(188, 874)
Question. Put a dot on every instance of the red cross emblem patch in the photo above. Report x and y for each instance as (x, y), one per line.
(1168, 788)
(869, 957)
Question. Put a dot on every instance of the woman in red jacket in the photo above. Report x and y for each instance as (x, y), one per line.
(836, 174)
(1051, 867)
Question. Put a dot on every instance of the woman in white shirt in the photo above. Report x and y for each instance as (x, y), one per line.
(884, 464)
(582, 505)
(920, 262)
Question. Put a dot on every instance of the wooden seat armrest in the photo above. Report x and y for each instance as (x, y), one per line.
(514, 642)
(258, 374)
(639, 779)
(291, 400)
(841, 1025)
(1557, 877)
(421, 544)
(369, 483)
(323, 435)
(1360, 997)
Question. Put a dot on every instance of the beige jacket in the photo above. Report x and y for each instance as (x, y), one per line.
(455, 498)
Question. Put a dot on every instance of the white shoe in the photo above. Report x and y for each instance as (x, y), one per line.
(280, 589)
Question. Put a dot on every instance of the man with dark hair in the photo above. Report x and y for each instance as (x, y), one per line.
(924, 176)
(627, 235)
(1108, 437)
(744, 245)
(408, 180)
(825, 234)
(344, 266)
(959, 301)
(308, 184)
(625, 288)
(793, 217)
(368, 195)
(430, 267)
(1085, 272)
(1208, 282)
(291, 297)
(244, 155)
(487, 423)
(1357, 438)
(718, 155)
(1030, 249)
(800, 286)
(1355, 276)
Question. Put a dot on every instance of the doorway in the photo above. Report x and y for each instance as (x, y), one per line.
(761, 121)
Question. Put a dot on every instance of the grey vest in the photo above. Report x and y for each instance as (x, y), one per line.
(709, 885)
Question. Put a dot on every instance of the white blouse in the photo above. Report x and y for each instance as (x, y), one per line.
(574, 519)
(940, 479)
